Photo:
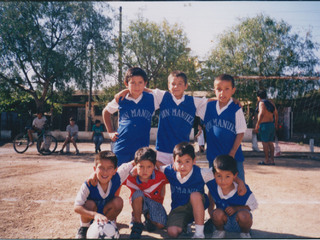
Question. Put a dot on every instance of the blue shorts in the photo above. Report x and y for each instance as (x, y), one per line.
(267, 131)
(156, 210)
(232, 225)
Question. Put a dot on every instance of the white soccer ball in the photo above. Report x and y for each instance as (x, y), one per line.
(103, 231)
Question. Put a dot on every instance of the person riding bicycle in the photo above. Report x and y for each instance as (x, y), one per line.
(37, 125)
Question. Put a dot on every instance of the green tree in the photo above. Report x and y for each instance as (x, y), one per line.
(44, 46)
(158, 49)
(262, 46)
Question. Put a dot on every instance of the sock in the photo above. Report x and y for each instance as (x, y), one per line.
(82, 224)
(199, 229)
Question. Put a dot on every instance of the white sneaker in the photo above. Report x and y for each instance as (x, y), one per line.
(199, 235)
(245, 235)
(218, 234)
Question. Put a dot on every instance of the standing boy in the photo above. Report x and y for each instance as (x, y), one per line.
(146, 193)
(266, 126)
(99, 202)
(225, 123)
(233, 212)
(135, 113)
(72, 135)
(97, 135)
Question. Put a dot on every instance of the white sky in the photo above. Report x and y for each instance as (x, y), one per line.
(204, 21)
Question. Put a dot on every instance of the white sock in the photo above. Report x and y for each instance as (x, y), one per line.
(82, 224)
(199, 229)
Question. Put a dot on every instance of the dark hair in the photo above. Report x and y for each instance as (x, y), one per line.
(261, 93)
(179, 74)
(72, 119)
(226, 77)
(97, 121)
(145, 153)
(135, 71)
(226, 163)
(106, 155)
(183, 148)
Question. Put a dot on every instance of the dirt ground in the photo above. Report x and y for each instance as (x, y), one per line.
(37, 194)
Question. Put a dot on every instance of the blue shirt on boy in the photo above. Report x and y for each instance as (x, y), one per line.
(221, 130)
(182, 188)
(175, 122)
(134, 124)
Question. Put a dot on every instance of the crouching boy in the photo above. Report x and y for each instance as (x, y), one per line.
(146, 193)
(233, 212)
(96, 198)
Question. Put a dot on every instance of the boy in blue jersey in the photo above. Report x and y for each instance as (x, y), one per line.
(187, 191)
(97, 201)
(135, 113)
(224, 123)
(233, 212)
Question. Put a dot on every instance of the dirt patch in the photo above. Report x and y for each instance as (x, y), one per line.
(37, 194)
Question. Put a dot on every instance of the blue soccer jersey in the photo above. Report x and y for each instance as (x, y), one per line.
(180, 192)
(175, 122)
(233, 199)
(221, 131)
(96, 196)
(134, 124)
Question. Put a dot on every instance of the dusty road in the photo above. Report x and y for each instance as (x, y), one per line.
(37, 194)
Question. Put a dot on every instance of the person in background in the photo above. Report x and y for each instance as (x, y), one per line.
(72, 135)
(37, 126)
(97, 135)
(266, 126)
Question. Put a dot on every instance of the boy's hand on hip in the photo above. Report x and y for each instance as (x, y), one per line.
(113, 136)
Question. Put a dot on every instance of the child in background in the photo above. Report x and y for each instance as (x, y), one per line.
(200, 138)
(135, 114)
(96, 198)
(146, 193)
(72, 135)
(233, 212)
(97, 135)
(225, 123)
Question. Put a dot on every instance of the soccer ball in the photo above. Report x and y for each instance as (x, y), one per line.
(103, 231)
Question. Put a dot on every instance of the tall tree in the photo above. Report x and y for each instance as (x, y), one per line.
(262, 46)
(44, 45)
(158, 49)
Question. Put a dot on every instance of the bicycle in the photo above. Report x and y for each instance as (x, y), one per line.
(46, 143)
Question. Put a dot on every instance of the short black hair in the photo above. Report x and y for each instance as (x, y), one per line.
(181, 74)
(183, 148)
(261, 93)
(135, 71)
(145, 153)
(226, 77)
(97, 121)
(225, 163)
(72, 119)
(106, 155)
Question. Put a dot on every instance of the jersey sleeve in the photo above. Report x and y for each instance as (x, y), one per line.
(207, 174)
(201, 106)
(82, 195)
(252, 202)
(163, 168)
(241, 125)
(112, 106)
(124, 171)
(158, 96)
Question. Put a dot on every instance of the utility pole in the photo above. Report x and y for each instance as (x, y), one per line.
(90, 89)
(120, 51)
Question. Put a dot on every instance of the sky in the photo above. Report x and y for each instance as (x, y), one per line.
(203, 21)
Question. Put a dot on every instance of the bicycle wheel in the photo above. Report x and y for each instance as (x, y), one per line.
(21, 143)
(47, 144)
